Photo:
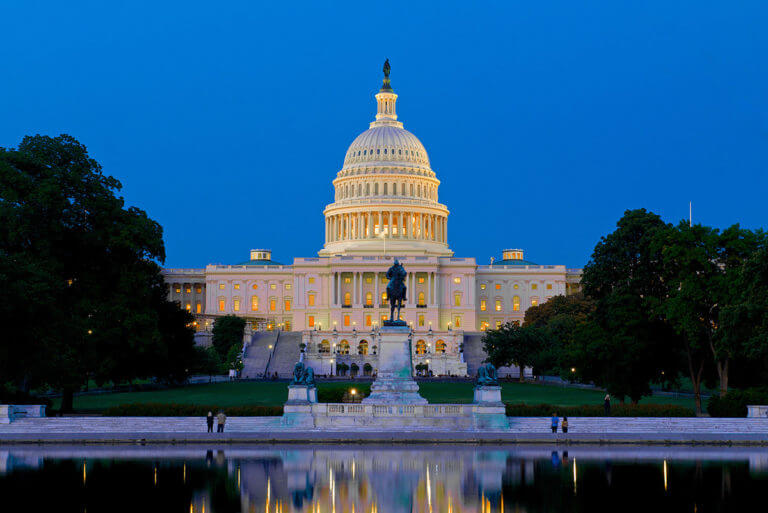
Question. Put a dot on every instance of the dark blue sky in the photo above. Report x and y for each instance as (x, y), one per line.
(227, 121)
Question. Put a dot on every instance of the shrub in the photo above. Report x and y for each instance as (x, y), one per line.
(734, 403)
(594, 410)
(336, 394)
(189, 410)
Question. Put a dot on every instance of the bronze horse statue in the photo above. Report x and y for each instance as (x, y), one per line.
(396, 290)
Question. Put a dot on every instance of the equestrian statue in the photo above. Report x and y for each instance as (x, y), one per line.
(396, 293)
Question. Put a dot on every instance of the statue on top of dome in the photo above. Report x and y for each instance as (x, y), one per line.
(387, 68)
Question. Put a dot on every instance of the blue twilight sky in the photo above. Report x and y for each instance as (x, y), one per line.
(227, 121)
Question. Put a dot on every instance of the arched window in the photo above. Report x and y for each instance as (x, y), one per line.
(421, 298)
(367, 189)
(440, 346)
(421, 347)
(402, 189)
(325, 347)
(385, 189)
(343, 347)
(362, 347)
(516, 303)
(411, 189)
(376, 189)
(347, 298)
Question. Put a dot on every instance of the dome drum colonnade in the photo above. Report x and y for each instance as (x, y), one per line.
(386, 190)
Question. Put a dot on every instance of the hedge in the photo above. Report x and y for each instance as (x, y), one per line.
(336, 394)
(594, 410)
(189, 410)
(734, 403)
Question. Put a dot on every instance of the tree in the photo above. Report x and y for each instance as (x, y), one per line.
(512, 344)
(80, 277)
(228, 336)
(623, 279)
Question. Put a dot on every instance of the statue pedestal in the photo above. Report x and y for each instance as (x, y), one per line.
(488, 395)
(297, 411)
(394, 382)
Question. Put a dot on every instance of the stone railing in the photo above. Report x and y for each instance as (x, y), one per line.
(11, 412)
(757, 410)
(397, 410)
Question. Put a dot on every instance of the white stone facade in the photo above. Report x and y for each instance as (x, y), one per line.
(385, 206)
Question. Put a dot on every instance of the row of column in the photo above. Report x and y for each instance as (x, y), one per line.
(357, 288)
(394, 224)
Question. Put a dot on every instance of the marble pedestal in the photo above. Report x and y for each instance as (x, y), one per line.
(297, 411)
(488, 395)
(394, 382)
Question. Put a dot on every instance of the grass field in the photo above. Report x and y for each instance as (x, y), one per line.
(275, 393)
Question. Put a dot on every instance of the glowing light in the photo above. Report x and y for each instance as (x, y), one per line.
(85, 472)
(353, 392)
(429, 492)
(574, 475)
(665, 475)
(573, 369)
(184, 473)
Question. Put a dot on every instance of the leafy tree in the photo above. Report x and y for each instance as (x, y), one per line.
(512, 344)
(228, 335)
(623, 279)
(82, 290)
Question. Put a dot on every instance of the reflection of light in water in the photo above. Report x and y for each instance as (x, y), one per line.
(85, 472)
(574, 475)
(184, 473)
(155, 475)
(665, 475)
(269, 493)
(429, 491)
(238, 477)
(191, 508)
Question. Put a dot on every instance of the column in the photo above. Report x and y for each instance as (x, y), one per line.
(338, 288)
(409, 223)
(429, 288)
(403, 223)
(376, 290)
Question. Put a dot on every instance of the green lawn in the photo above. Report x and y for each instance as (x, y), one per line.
(275, 393)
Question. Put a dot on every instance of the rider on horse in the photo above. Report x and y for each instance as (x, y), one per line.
(396, 289)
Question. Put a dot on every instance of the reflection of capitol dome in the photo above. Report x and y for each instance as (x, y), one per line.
(386, 190)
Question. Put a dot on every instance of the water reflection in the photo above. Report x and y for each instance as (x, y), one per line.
(389, 479)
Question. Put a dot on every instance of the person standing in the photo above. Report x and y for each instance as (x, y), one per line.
(607, 405)
(209, 421)
(564, 425)
(555, 422)
(220, 419)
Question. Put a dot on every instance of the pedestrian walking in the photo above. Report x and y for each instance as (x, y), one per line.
(209, 421)
(564, 425)
(220, 419)
(607, 405)
(555, 422)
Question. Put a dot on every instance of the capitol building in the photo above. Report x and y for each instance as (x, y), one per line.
(326, 309)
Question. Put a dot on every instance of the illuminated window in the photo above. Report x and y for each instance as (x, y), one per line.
(457, 322)
(383, 278)
(457, 299)
(254, 303)
(482, 305)
(516, 286)
(199, 289)
(311, 299)
(346, 320)
(516, 303)
(368, 320)
(457, 279)
(198, 307)
(421, 279)
(421, 319)
(549, 286)
(178, 289)
(534, 286)
(343, 347)
(188, 307)
(421, 298)
(287, 305)
(383, 318)
(347, 280)
(222, 304)
(421, 347)
(368, 298)
(254, 286)
(482, 286)
(311, 321)
(483, 325)
(347, 298)
(273, 286)
(236, 304)
(369, 280)
(534, 301)
(498, 305)
(362, 347)
(384, 298)
(221, 286)
(288, 286)
(272, 305)
(440, 346)
(498, 286)
(311, 279)
(188, 289)
(237, 286)
(498, 324)
(325, 347)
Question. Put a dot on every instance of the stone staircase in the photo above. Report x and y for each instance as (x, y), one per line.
(285, 354)
(257, 353)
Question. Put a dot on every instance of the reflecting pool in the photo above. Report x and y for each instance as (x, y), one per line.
(384, 479)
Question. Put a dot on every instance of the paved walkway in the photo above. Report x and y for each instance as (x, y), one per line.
(269, 429)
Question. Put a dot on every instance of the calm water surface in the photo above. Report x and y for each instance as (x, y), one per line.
(389, 479)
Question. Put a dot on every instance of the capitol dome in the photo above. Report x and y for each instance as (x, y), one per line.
(386, 193)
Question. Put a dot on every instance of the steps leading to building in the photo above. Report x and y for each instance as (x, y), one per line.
(285, 354)
(257, 353)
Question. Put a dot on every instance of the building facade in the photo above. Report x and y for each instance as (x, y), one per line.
(385, 206)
